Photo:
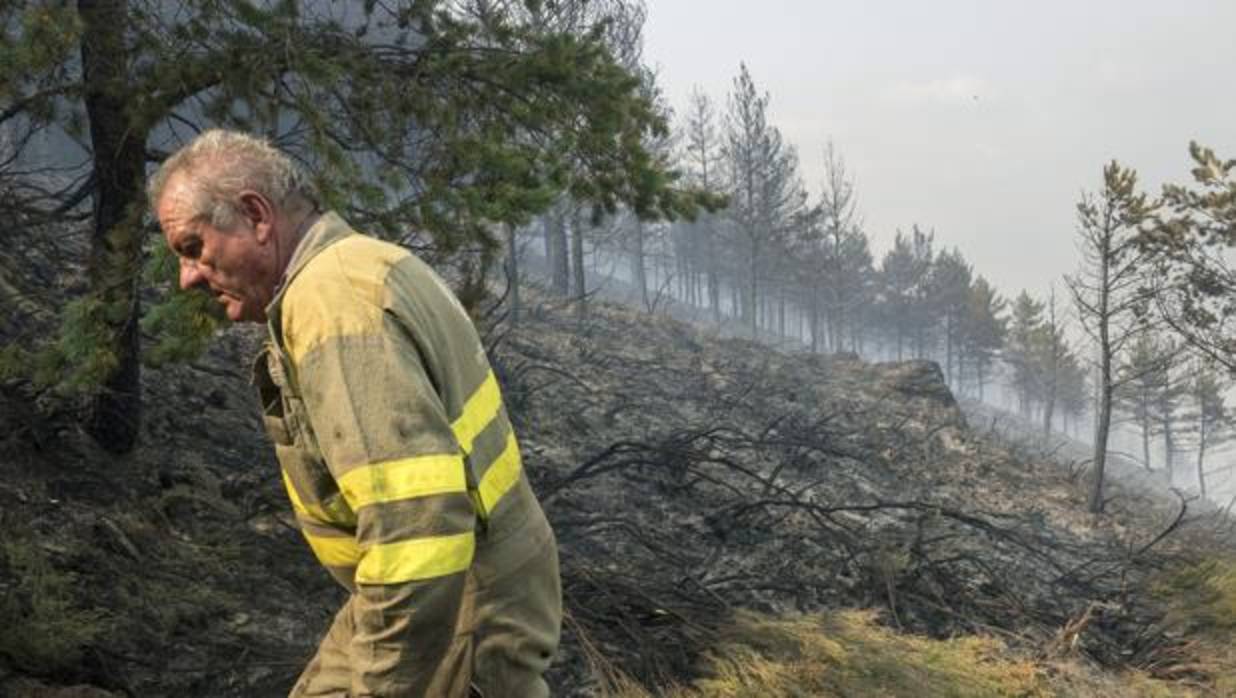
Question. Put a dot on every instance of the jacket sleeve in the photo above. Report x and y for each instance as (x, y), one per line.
(387, 440)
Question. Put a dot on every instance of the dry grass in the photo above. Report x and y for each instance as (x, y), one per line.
(1202, 612)
(849, 655)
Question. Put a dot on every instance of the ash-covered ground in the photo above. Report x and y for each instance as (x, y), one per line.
(687, 477)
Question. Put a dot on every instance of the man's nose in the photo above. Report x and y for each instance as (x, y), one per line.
(191, 275)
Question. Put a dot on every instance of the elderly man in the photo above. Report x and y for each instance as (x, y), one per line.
(389, 427)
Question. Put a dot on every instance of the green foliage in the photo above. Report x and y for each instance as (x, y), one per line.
(183, 325)
(184, 322)
(1204, 214)
(984, 326)
(415, 116)
(47, 620)
(79, 360)
(38, 38)
(905, 277)
(1191, 241)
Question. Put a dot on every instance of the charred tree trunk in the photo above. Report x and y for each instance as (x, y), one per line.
(1169, 447)
(1146, 439)
(512, 272)
(638, 271)
(781, 313)
(948, 350)
(714, 284)
(1201, 456)
(580, 293)
(556, 251)
(752, 303)
(813, 323)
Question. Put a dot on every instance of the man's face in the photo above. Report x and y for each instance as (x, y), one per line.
(235, 266)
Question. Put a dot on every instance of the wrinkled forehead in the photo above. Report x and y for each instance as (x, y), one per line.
(177, 205)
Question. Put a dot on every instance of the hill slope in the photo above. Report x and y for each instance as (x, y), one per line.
(691, 481)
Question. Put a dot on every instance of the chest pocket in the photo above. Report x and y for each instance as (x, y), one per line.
(311, 488)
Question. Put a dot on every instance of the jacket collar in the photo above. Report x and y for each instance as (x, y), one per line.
(328, 229)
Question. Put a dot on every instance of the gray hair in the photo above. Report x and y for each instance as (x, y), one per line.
(221, 164)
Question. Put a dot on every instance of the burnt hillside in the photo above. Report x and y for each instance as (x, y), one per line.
(689, 479)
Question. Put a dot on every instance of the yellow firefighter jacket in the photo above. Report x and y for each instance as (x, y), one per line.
(405, 476)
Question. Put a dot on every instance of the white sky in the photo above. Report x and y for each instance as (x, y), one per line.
(982, 120)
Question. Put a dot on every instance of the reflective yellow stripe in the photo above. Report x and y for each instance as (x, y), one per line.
(420, 558)
(337, 511)
(406, 478)
(334, 552)
(478, 412)
(297, 505)
(501, 476)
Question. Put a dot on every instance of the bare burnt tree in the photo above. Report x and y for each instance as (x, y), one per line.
(1109, 291)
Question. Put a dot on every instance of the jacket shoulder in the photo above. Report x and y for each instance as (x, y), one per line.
(340, 292)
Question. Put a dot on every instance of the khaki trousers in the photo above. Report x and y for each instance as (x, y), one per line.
(505, 639)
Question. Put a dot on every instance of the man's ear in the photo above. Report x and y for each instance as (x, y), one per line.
(260, 214)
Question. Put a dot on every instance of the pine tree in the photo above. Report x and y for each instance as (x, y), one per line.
(904, 279)
(1209, 422)
(1191, 242)
(1051, 359)
(1025, 329)
(1142, 376)
(1109, 290)
(421, 120)
(1075, 394)
(1170, 396)
(950, 294)
(762, 185)
(984, 330)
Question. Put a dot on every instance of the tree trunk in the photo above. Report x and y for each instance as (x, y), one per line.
(948, 349)
(512, 272)
(1169, 446)
(556, 250)
(577, 264)
(637, 265)
(781, 313)
(814, 323)
(714, 294)
(1103, 428)
(1201, 456)
(1100, 446)
(752, 305)
(1146, 441)
(114, 266)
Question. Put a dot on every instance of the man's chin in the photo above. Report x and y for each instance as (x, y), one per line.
(239, 311)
